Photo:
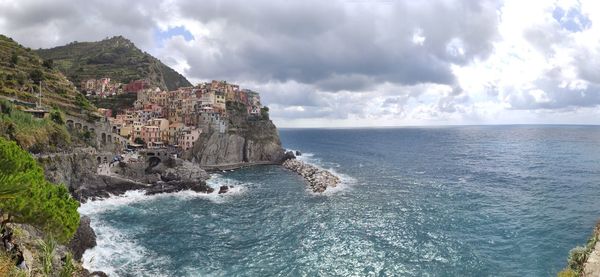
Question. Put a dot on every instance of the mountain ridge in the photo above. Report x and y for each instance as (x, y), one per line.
(117, 58)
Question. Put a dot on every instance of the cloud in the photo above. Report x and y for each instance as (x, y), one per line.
(336, 45)
(342, 63)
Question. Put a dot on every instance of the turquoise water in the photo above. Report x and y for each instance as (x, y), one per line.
(452, 201)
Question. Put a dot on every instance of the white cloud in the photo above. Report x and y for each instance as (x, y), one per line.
(368, 63)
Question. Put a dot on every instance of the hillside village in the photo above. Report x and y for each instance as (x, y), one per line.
(161, 118)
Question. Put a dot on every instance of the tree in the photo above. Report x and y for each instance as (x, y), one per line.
(139, 141)
(264, 112)
(16, 170)
(35, 201)
(49, 63)
(36, 75)
(14, 59)
(57, 116)
(5, 107)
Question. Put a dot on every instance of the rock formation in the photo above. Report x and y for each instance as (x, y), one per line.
(78, 171)
(250, 142)
(318, 179)
(84, 238)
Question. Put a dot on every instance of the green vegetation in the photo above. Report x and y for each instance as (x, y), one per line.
(116, 58)
(47, 248)
(57, 117)
(35, 135)
(264, 113)
(567, 272)
(69, 267)
(21, 72)
(116, 103)
(38, 202)
(579, 255)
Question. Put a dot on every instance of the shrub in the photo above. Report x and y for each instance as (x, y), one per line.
(14, 59)
(38, 202)
(57, 116)
(47, 248)
(36, 75)
(5, 106)
(567, 273)
(68, 268)
(264, 113)
(577, 257)
(49, 63)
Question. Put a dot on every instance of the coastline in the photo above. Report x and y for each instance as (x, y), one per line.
(233, 166)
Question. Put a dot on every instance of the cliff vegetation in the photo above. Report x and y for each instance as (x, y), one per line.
(44, 210)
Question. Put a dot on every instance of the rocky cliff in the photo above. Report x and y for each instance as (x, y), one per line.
(247, 141)
(79, 171)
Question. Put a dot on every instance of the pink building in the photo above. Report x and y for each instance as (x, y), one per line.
(151, 136)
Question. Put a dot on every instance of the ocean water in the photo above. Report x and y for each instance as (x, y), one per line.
(447, 201)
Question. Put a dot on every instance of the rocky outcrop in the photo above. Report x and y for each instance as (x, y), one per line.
(78, 170)
(318, 179)
(71, 168)
(171, 175)
(84, 238)
(246, 142)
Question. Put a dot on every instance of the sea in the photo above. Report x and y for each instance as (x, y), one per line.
(418, 201)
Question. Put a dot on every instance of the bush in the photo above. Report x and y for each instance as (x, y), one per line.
(47, 248)
(264, 113)
(14, 59)
(36, 75)
(5, 106)
(577, 258)
(567, 273)
(68, 268)
(49, 63)
(57, 117)
(38, 202)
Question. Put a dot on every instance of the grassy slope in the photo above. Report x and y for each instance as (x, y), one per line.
(116, 58)
(16, 80)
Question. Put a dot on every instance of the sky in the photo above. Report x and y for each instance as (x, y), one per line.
(358, 63)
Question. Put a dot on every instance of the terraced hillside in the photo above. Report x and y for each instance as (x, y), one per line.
(21, 71)
(116, 58)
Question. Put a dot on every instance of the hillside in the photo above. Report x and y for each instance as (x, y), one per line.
(116, 58)
(21, 70)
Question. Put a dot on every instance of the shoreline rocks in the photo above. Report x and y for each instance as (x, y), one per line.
(318, 179)
(84, 238)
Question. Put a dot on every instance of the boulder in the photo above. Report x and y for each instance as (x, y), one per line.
(84, 238)
(223, 189)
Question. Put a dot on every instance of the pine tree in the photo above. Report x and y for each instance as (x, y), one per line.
(29, 198)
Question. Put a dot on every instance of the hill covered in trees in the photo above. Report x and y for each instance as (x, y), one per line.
(116, 58)
(21, 71)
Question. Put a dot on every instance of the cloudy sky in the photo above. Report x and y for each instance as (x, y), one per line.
(358, 62)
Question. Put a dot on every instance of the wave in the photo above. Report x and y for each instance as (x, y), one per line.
(117, 253)
(137, 196)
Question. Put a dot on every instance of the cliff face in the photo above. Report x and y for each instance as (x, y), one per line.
(71, 169)
(247, 141)
(79, 171)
